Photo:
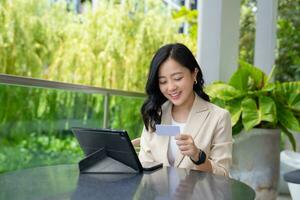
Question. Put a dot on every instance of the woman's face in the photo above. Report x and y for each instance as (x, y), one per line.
(176, 82)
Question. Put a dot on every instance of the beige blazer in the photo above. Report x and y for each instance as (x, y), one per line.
(210, 127)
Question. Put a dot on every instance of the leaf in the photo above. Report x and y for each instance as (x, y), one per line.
(235, 109)
(218, 102)
(294, 101)
(222, 91)
(289, 94)
(267, 109)
(250, 114)
(268, 87)
(287, 118)
(257, 75)
(270, 76)
(237, 128)
(239, 79)
(289, 135)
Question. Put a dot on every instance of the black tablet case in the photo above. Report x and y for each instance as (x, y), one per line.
(107, 151)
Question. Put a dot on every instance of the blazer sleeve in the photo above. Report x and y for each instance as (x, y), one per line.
(221, 148)
(145, 154)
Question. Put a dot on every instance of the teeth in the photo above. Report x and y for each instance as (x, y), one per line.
(174, 95)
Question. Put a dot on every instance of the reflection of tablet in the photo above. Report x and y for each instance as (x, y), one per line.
(111, 186)
(116, 146)
(149, 166)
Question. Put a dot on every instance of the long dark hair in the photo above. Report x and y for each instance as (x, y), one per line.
(151, 109)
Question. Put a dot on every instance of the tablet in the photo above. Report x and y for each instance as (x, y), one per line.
(115, 143)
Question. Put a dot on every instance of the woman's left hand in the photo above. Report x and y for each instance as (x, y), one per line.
(187, 146)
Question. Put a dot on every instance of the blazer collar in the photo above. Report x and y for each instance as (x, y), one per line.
(199, 105)
(166, 118)
(197, 116)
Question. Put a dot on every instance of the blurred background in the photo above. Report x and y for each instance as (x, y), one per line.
(104, 44)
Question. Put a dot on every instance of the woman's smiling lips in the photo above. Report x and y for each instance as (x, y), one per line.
(175, 96)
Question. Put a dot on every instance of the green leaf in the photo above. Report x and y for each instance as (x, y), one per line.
(257, 78)
(267, 109)
(239, 79)
(269, 87)
(294, 101)
(222, 91)
(250, 114)
(287, 118)
(270, 76)
(235, 109)
(289, 94)
(289, 135)
(237, 128)
(219, 102)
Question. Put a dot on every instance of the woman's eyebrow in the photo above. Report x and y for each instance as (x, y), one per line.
(173, 74)
(176, 73)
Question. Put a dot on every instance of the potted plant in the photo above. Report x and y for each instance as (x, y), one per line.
(260, 109)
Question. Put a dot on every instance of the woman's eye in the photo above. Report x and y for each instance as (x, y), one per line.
(162, 82)
(178, 78)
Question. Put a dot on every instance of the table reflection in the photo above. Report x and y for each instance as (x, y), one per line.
(165, 183)
(64, 182)
(172, 183)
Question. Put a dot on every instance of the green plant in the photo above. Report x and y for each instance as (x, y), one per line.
(190, 16)
(254, 101)
(38, 150)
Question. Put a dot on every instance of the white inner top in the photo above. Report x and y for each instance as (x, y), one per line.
(172, 143)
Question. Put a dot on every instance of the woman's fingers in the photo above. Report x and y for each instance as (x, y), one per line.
(186, 144)
(182, 137)
(184, 140)
(184, 147)
(187, 153)
(187, 150)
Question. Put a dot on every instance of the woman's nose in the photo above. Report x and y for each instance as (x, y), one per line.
(171, 86)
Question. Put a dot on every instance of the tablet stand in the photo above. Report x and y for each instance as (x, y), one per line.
(100, 162)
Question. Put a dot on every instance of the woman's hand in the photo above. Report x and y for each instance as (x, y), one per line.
(187, 146)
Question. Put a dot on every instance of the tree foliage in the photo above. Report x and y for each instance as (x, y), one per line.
(288, 38)
(288, 34)
(247, 31)
(109, 47)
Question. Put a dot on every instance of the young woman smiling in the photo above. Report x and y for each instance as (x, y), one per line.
(175, 96)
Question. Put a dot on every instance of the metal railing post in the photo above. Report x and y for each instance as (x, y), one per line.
(106, 110)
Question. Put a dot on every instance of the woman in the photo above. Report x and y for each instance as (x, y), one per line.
(175, 96)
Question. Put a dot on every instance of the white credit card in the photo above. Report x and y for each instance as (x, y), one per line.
(167, 130)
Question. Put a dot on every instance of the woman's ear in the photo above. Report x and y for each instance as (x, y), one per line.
(195, 73)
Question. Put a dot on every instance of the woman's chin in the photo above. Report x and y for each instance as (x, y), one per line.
(176, 102)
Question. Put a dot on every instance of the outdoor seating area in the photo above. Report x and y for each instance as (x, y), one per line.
(85, 64)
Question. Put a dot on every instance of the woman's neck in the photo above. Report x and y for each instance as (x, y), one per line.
(181, 113)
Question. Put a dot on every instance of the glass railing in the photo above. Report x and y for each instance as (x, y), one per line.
(36, 117)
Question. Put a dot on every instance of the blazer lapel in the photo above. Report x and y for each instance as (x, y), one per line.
(166, 119)
(196, 118)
